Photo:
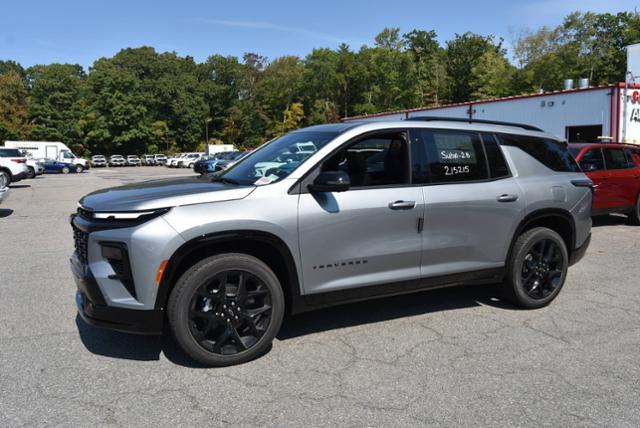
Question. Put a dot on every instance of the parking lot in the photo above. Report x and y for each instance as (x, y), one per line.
(449, 357)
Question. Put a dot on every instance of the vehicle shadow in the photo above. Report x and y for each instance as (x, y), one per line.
(19, 186)
(148, 348)
(389, 308)
(114, 344)
(5, 212)
(609, 220)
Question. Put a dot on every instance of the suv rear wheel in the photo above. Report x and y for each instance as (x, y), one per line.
(537, 269)
(634, 216)
(226, 309)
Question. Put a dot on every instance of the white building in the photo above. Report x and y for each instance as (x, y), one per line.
(584, 114)
(577, 114)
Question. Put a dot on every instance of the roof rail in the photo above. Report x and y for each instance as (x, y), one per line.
(460, 119)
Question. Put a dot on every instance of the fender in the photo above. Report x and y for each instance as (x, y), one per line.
(539, 215)
(288, 269)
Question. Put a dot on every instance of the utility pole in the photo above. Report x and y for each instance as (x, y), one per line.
(206, 130)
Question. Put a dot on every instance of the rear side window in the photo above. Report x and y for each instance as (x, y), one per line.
(454, 156)
(497, 165)
(615, 159)
(10, 153)
(592, 160)
(551, 153)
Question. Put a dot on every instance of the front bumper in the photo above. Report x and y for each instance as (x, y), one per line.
(93, 309)
(578, 253)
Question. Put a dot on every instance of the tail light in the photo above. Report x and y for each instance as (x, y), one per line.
(19, 160)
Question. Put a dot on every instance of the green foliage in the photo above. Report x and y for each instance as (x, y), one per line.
(141, 101)
(14, 101)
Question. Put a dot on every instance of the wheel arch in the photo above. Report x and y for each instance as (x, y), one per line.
(265, 246)
(555, 219)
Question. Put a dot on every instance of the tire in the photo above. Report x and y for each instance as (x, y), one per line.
(31, 173)
(5, 179)
(65, 170)
(191, 165)
(634, 216)
(199, 306)
(79, 168)
(537, 268)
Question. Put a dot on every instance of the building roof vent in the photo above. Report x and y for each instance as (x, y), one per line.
(583, 83)
(568, 84)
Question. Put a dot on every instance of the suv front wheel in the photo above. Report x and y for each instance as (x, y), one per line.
(537, 269)
(226, 309)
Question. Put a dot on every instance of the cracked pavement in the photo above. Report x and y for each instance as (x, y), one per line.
(448, 357)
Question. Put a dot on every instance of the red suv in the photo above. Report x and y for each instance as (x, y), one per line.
(615, 172)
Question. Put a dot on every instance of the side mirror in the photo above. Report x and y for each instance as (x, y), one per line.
(331, 181)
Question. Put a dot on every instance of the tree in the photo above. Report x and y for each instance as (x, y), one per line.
(429, 60)
(293, 117)
(14, 104)
(57, 102)
(463, 52)
(492, 76)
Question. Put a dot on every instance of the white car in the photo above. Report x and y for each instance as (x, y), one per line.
(98, 160)
(117, 160)
(133, 160)
(173, 160)
(13, 166)
(35, 168)
(189, 160)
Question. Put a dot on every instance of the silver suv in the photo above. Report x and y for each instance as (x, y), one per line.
(326, 215)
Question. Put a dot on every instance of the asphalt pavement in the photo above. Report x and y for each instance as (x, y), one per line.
(454, 357)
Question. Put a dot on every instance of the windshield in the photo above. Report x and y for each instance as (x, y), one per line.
(276, 160)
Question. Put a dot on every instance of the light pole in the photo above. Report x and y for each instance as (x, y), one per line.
(206, 130)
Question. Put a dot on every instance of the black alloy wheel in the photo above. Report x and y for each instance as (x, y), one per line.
(536, 269)
(226, 309)
(542, 269)
(230, 312)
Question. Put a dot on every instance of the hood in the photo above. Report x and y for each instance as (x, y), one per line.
(166, 193)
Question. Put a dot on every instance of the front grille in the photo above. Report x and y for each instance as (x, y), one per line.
(81, 243)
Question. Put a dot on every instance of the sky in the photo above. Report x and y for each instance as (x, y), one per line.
(42, 32)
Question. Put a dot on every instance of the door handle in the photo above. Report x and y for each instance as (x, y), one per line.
(402, 205)
(507, 198)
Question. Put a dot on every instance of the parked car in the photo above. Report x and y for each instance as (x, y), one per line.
(231, 160)
(35, 168)
(172, 161)
(189, 160)
(207, 164)
(221, 258)
(148, 160)
(13, 166)
(615, 172)
(160, 159)
(133, 160)
(52, 166)
(98, 160)
(117, 160)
